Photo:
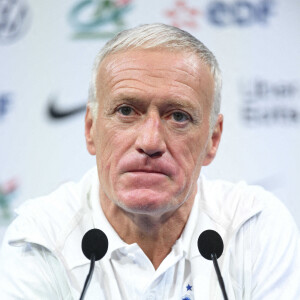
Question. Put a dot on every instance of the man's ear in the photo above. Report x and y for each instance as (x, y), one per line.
(89, 131)
(214, 141)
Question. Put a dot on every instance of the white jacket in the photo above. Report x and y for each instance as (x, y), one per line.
(41, 256)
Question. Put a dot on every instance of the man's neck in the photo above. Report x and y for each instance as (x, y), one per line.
(154, 235)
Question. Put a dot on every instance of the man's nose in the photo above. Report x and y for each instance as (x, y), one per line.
(150, 138)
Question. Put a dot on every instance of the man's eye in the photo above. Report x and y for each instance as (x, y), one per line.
(180, 116)
(125, 110)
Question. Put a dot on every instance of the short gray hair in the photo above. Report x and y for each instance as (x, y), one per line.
(151, 36)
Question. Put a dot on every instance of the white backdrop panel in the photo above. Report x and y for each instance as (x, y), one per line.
(46, 55)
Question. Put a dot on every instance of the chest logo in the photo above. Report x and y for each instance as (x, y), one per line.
(188, 295)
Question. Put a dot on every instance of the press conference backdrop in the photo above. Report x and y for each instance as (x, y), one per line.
(46, 54)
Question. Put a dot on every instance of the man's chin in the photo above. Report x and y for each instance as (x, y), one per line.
(146, 202)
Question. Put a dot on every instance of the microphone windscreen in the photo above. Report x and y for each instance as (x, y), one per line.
(210, 242)
(94, 242)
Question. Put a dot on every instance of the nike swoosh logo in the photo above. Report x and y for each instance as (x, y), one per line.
(56, 112)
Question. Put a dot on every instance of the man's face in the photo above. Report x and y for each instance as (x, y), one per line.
(151, 136)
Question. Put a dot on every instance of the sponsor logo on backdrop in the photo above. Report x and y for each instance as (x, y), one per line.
(7, 195)
(267, 103)
(98, 18)
(5, 101)
(241, 13)
(14, 20)
(56, 111)
(183, 15)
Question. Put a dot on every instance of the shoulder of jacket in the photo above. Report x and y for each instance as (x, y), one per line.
(47, 220)
(232, 204)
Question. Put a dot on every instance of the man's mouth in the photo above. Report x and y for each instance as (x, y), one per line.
(142, 167)
(146, 171)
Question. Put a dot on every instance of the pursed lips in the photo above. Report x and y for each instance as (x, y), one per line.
(149, 170)
(135, 166)
(146, 171)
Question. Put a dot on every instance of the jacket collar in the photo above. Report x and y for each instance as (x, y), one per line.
(209, 212)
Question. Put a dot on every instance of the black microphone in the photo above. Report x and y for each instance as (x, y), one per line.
(210, 245)
(94, 246)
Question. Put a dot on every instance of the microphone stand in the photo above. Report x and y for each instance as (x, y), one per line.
(220, 279)
(89, 277)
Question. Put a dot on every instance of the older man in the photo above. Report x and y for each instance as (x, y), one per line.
(153, 121)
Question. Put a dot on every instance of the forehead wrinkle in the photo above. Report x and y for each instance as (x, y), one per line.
(202, 87)
(114, 66)
(183, 72)
(191, 73)
(197, 91)
(117, 66)
(125, 83)
(112, 62)
(115, 78)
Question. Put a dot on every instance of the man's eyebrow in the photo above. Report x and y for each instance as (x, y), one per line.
(121, 99)
(128, 99)
(176, 103)
(172, 103)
